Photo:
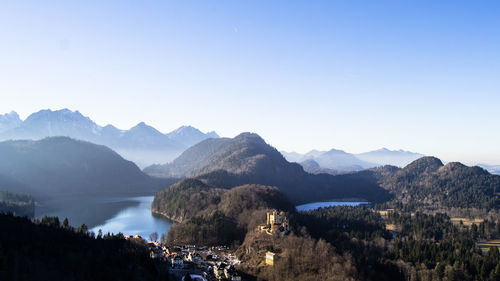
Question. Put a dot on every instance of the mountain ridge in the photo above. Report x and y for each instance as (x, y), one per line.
(336, 161)
(142, 143)
(248, 159)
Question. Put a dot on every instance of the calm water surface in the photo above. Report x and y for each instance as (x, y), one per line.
(136, 219)
(316, 205)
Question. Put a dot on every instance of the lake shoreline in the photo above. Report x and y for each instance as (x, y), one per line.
(327, 204)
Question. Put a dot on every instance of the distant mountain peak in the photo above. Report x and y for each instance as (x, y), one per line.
(142, 126)
(190, 130)
(212, 134)
(333, 150)
(387, 150)
(12, 113)
(59, 115)
(109, 126)
(186, 130)
(186, 127)
(189, 135)
(9, 120)
(142, 143)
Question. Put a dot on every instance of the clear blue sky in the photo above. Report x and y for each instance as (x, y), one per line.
(354, 75)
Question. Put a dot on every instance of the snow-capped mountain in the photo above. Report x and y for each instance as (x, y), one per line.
(142, 143)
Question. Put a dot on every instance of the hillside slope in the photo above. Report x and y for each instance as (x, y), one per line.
(60, 166)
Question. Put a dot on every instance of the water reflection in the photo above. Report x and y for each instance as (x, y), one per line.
(136, 220)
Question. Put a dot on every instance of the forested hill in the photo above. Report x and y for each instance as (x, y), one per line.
(208, 215)
(60, 166)
(248, 159)
(190, 198)
(428, 183)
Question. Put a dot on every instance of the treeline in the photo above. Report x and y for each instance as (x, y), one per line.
(21, 205)
(47, 249)
(432, 247)
(422, 247)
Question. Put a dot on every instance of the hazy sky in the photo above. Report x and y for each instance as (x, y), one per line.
(354, 75)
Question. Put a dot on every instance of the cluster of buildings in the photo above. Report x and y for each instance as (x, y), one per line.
(276, 222)
(204, 263)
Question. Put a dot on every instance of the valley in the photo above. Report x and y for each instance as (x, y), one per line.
(250, 140)
(217, 194)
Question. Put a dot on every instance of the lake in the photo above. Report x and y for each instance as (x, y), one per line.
(136, 219)
(128, 215)
(317, 205)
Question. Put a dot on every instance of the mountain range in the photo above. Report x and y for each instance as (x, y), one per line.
(142, 144)
(337, 161)
(248, 159)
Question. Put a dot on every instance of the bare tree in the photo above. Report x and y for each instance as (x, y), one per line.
(153, 236)
(163, 239)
